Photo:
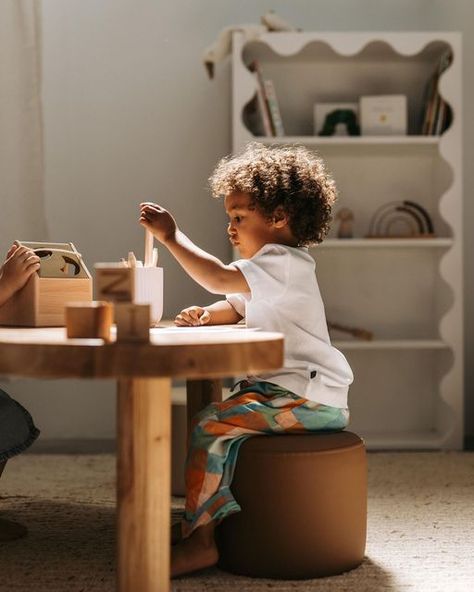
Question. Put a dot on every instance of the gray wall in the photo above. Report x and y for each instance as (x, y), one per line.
(130, 115)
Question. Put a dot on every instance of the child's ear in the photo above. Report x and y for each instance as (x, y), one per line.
(279, 217)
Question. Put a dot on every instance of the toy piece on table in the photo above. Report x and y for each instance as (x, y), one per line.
(57, 260)
(132, 261)
(154, 258)
(137, 285)
(147, 260)
(114, 282)
(133, 321)
(89, 319)
(63, 277)
(356, 332)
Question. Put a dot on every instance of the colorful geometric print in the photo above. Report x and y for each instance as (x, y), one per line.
(219, 430)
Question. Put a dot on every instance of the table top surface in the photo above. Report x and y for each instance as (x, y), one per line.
(187, 352)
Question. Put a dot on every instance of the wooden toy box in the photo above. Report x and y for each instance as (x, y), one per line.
(41, 302)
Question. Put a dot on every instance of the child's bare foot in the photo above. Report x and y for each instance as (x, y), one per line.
(196, 552)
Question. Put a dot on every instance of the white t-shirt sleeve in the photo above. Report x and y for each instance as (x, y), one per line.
(237, 301)
(266, 274)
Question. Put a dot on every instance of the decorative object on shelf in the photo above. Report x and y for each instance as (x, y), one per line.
(274, 22)
(401, 219)
(345, 217)
(336, 119)
(356, 332)
(437, 114)
(383, 115)
(221, 48)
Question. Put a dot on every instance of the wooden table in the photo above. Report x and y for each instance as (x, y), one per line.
(143, 373)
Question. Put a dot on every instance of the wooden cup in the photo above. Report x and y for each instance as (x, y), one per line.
(89, 319)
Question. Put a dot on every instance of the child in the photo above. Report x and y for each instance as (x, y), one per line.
(17, 430)
(278, 201)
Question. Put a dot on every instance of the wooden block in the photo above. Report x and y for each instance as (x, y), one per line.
(89, 319)
(138, 285)
(133, 321)
(114, 283)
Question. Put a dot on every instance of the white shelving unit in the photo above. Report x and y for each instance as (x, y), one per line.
(408, 389)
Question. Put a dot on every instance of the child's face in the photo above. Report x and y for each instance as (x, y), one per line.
(248, 229)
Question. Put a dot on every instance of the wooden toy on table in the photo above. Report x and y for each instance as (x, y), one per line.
(89, 319)
(133, 284)
(62, 277)
(133, 321)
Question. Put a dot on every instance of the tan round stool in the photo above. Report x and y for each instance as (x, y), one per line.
(304, 507)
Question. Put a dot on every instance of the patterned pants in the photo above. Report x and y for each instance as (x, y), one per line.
(219, 430)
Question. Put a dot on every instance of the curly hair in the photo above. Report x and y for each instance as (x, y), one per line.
(290, 177)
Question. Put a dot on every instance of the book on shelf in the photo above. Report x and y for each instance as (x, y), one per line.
(268, 104)
(437, 114)
(274, 108)
(261, 100)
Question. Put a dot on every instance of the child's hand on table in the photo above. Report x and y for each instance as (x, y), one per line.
(19, 265)
(158, 221)
(192, 317)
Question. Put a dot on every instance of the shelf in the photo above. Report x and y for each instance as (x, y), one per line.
(422, 141)
(408, 289)
(387, 344)
(385, 243)
(423, 440)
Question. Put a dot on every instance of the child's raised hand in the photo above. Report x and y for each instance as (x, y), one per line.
(193, 316)
(158, 221)
(19, 265)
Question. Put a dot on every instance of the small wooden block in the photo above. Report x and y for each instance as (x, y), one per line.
(133, 321)
(89, 319)
(115, 284)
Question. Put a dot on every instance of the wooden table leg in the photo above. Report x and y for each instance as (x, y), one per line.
(199, 393)
(143, 484)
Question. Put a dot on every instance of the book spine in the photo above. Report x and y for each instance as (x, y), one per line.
(274, 108)
(263, 108)
(262, 100)
(439, 121)
(435, 115)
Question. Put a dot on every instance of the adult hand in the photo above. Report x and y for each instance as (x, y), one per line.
(193, 316)
(158, 221)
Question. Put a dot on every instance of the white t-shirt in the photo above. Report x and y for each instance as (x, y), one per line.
(284, 297)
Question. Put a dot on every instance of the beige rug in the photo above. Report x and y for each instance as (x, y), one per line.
(420, 529)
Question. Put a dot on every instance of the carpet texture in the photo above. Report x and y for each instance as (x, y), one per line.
(420, 528)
